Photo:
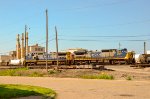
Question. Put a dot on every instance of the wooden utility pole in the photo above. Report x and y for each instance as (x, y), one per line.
(144, 47)
(56, 46)
(119, 45)
(46, 39)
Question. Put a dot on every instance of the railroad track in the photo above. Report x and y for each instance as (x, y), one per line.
(140, 65)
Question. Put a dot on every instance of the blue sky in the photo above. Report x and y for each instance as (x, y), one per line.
(90, 24)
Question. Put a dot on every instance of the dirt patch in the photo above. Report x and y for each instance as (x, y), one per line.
(118, 75)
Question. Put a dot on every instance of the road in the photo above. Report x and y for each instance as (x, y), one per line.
(73, 88)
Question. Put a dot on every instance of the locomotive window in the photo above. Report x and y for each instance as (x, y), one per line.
(79, 53)
(40, 53)
(61, 54)
(111, 50)
(35, 49)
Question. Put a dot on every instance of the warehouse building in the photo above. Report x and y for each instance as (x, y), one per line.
(5, 59)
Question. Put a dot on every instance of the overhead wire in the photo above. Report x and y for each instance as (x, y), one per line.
(48, 41)
(94, 40)
(97, 36)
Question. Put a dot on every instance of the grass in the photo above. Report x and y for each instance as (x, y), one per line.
(8, 91)
(53, 71)
(21, 72)
(13, 72)
(128, 78)
(100, 76)
(26, 72)
(36, 74)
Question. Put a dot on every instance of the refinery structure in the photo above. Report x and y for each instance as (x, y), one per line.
(23, 50)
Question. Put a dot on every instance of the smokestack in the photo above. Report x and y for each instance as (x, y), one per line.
(18, 47)
(22, 46)
(27, 43)
(144, 47)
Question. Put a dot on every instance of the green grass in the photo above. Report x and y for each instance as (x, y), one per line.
(100, 76)
(8, 91)
(13, 72)
(21, 72)
(36, 74)
(128, 78)
(53, 71)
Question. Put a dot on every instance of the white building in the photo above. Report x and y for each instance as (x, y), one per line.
(72, 50)
(148, 52)
(36, 50)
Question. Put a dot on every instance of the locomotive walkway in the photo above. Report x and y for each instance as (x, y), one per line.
(73, 88)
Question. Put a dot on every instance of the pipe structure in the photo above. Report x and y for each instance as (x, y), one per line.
(27, 50)
(18, 47)
(22, 46)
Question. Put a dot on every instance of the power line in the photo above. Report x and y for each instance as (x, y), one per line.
(97, 36)
(89, 40)
(48, 41)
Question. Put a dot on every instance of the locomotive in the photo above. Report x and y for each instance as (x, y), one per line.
(83, 56)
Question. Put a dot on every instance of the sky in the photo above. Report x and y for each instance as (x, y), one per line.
(89, 24)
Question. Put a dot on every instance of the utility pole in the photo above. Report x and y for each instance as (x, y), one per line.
(56, 45)
(46, 39)
(144, 47)
(119, 45)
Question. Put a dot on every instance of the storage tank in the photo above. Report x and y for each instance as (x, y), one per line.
(137, 59)
(148, 52)
(15, 62)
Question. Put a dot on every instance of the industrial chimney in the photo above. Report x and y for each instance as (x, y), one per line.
(18, 56)
(27, 50)
(22, 46)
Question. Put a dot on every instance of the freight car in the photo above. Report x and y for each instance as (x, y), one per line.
(142, 58)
